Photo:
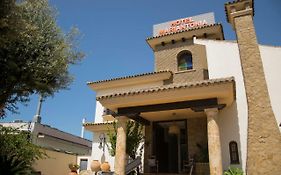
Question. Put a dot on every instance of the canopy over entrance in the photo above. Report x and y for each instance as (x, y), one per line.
(155, 98)
(144, 104)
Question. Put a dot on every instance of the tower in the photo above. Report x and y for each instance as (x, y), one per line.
(174, 48)
(264, 139)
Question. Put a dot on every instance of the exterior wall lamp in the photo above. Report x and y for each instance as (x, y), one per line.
(102, 141)
(174, 129)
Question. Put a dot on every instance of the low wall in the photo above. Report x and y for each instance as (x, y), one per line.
(55, 164)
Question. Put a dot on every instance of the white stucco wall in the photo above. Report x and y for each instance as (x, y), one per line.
(271, 58)
(98, 153)
(99, 112)
(224, 61)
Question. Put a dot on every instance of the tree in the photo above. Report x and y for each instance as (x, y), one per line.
(17, 153)
(34, 52)
(134, 136)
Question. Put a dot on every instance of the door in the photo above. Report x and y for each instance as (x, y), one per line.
(168, 147)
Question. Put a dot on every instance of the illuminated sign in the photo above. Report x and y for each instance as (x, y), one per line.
(183, 24)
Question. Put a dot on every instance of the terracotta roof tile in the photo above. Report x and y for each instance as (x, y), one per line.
(94, 124)
(181, 31)
(131, 76)
(169, 87)
(233, 2)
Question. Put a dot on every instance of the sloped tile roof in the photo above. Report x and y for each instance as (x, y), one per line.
(131, 76)
(169, 87)
(94, 124)
(181, 31)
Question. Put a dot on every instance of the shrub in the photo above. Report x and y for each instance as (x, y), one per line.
(234, 171)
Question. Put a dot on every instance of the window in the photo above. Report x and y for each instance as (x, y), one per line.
(185, 60)
(83, 164)
(233, 151)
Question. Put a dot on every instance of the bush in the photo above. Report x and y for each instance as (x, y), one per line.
(17, 153)
(134, 136)
(234, 171)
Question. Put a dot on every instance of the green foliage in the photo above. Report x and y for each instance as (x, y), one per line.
(233, 171)
(17, 153)
(134, 138)
(134, 135)
(34, 53)
(112, 136)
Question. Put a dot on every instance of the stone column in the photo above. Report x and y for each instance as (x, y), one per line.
(264, 139)
(214, 144)
(120, 156)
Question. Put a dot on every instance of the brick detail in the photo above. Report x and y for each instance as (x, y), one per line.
(264, 139)
(166, 59)
(189, 76)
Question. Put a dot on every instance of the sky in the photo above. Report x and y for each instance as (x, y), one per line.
(113, 37)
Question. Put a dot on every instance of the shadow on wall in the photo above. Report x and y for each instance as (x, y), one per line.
(229, 129)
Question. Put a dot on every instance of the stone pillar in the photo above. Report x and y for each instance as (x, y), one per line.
(214, 144)
(264, 139)
(120, 156)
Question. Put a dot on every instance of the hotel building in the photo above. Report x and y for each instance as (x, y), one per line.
(207, 97)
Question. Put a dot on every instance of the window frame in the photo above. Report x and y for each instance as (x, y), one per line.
(233, 152)
(188, 60)
(86, 161)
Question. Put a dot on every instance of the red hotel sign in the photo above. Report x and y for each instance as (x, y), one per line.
(183, 24)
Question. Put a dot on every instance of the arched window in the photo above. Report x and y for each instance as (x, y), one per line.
(233, 151)
(185, 60)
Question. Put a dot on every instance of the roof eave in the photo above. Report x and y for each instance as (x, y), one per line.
(223, 89)
(213, 29)
(131, 80)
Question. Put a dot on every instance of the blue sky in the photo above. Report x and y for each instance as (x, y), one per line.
(113, 39)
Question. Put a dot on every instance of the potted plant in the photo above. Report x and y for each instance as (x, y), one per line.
(73, 168)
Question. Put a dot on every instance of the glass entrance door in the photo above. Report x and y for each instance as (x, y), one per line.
(170, 145)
